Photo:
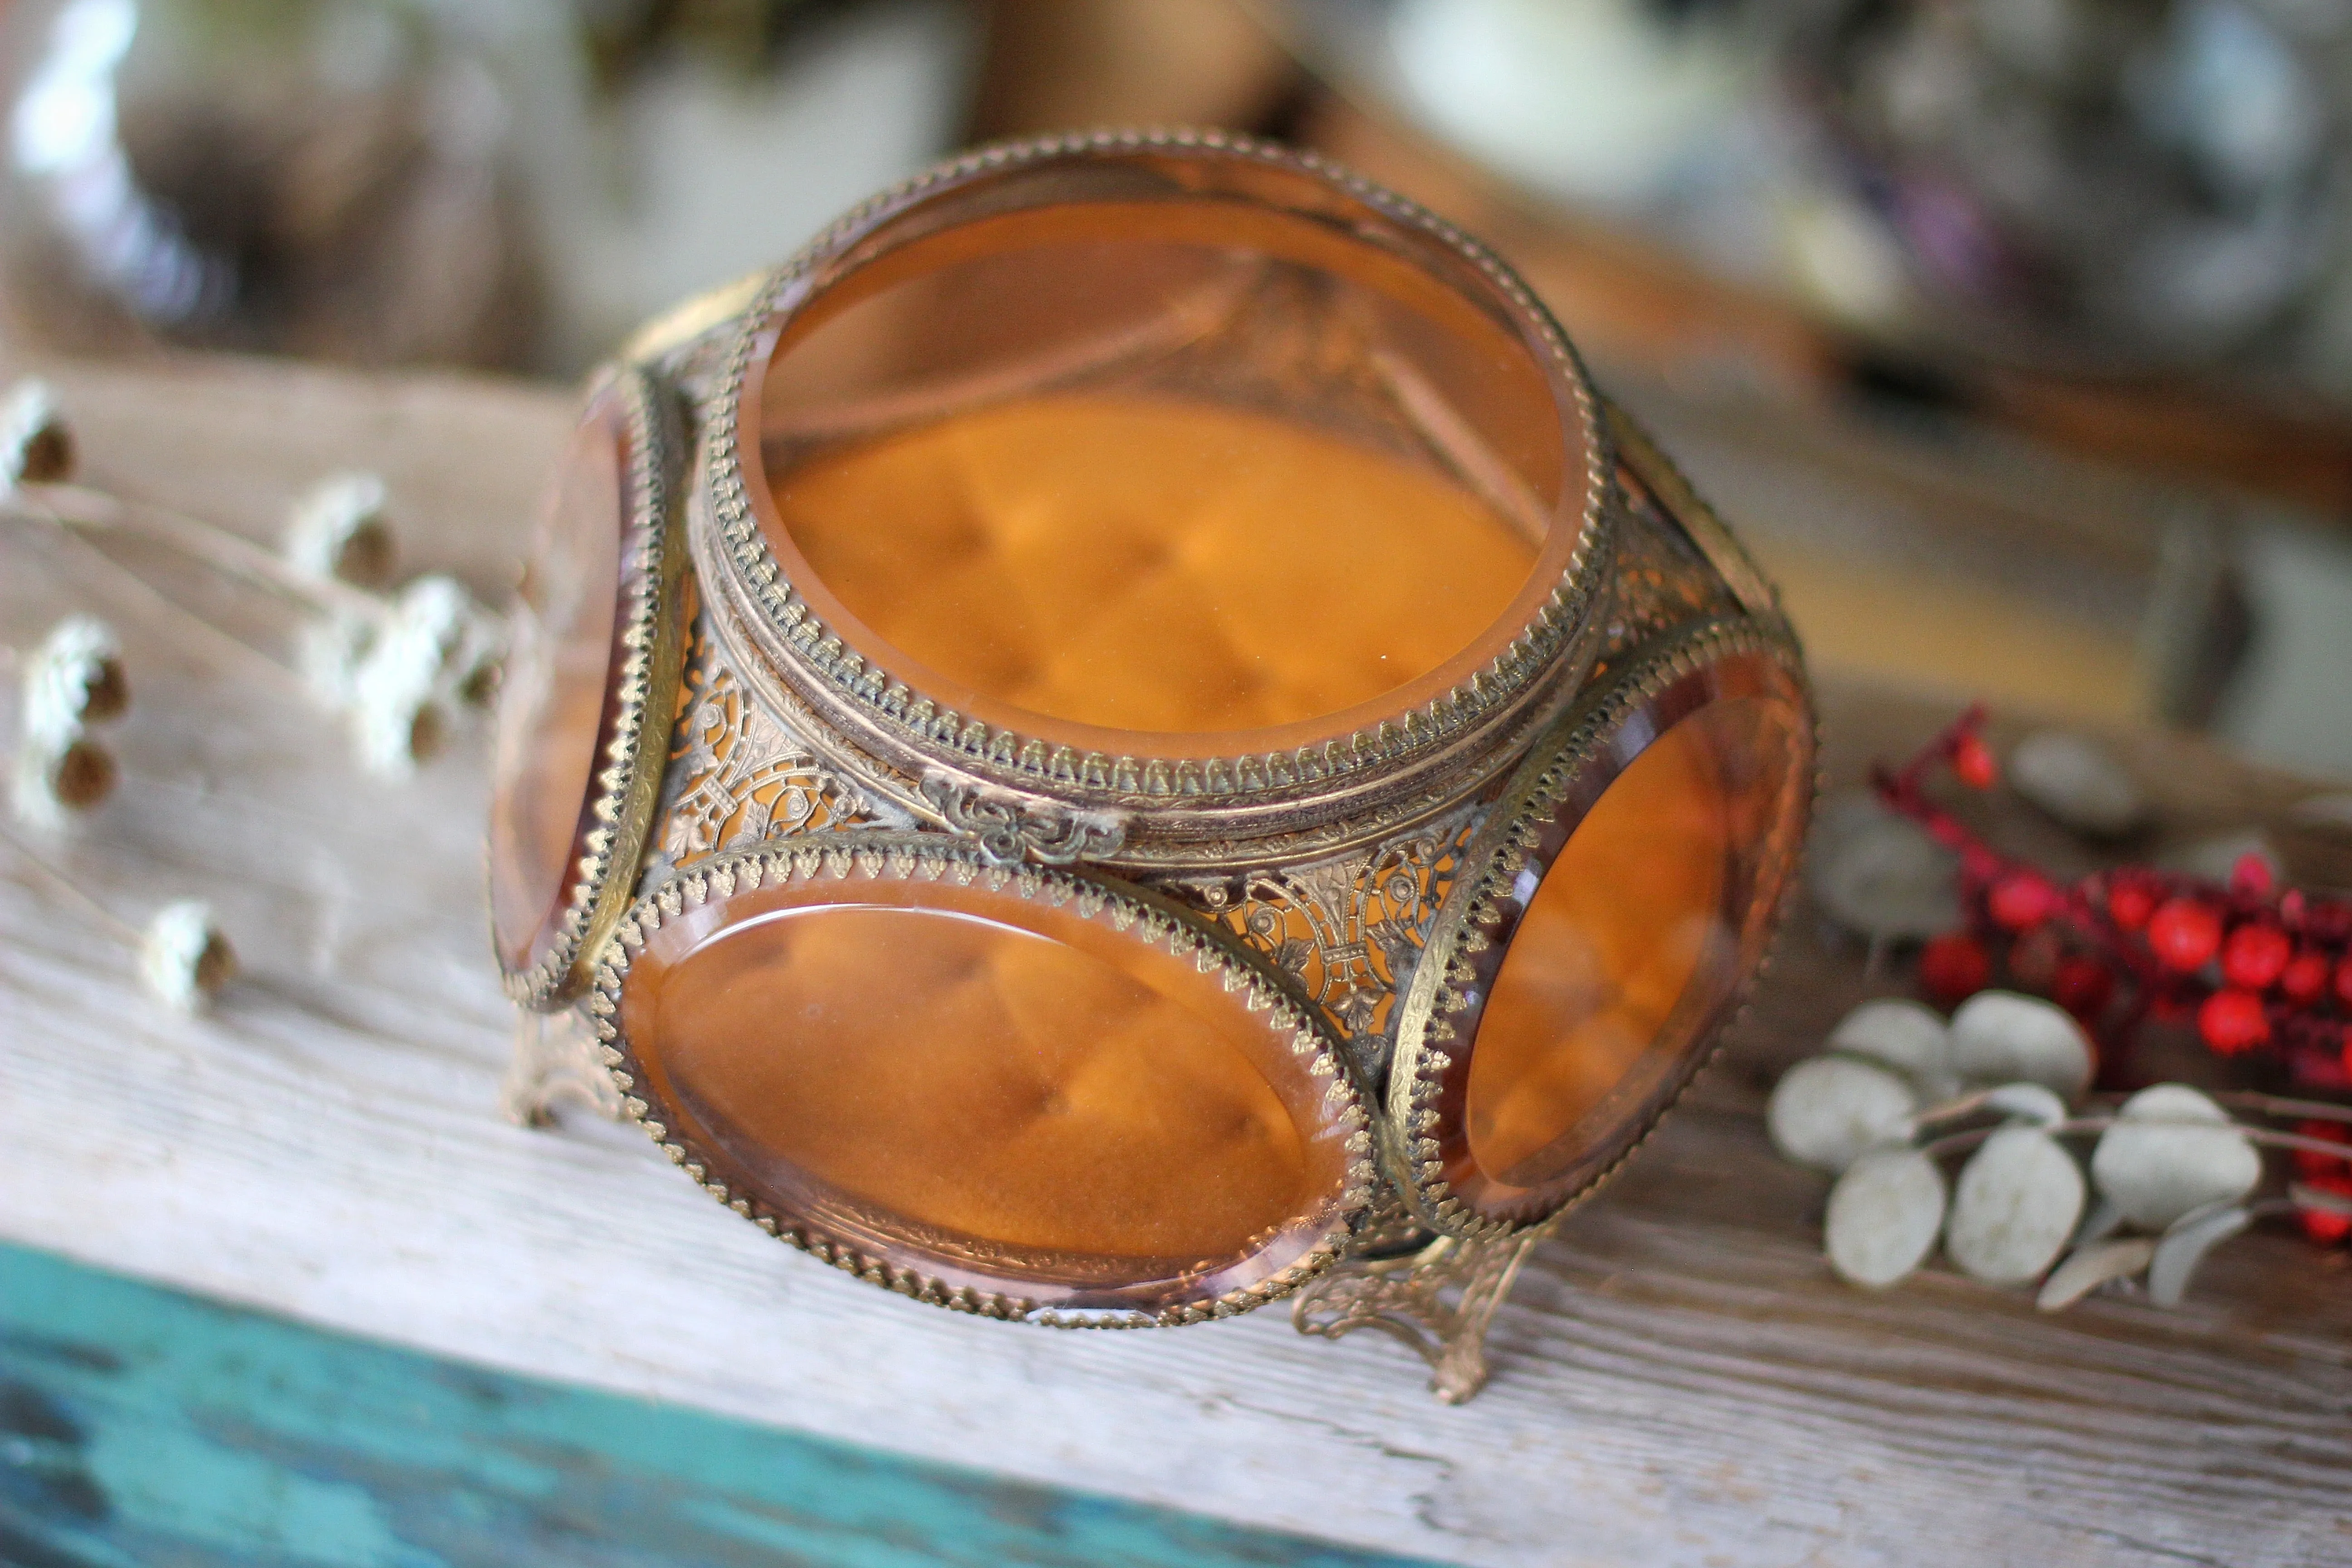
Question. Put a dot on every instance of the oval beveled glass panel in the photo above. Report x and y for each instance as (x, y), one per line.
(556, 702)
(1122, 462)
(994, 1091)
(1150, 564)
(1644, 925)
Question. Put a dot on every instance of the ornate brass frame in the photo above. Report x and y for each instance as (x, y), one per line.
(651, 623)
(1673, 676)
(1341, 889)
(1150, 810)
(1437, 1295)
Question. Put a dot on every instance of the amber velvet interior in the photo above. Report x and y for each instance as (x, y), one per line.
(974, 1074)
(554, 694)
(1632, 938)
(1149, 564)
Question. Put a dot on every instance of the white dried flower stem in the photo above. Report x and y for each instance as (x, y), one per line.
(73, 679)
(184, 958)
(338, 532)
(224, 549)
(66, 888)
(423, 663)
(2272, 1138)
(36, 444)
(165, 609)
(51, 779)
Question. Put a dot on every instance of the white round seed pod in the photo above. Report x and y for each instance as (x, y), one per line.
(1999, 1037)
(2014, 1207)
(1881, 876)
(2074, 780)
(1884, 1216)
(2215, 859)
(1906, 1036)
(2171, 1151)
(1827, 1109)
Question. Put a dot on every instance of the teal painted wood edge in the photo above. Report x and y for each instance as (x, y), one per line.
(143, 1428)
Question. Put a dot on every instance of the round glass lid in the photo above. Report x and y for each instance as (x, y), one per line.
(1608, 937)
(1170, 452)
(1021, 1088)
(592, 650)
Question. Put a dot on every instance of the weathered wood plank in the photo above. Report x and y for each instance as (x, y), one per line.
(1679, 1381)
(139, 1426)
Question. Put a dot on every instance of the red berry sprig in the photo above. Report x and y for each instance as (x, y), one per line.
(2314, 1169)
(2256, 968)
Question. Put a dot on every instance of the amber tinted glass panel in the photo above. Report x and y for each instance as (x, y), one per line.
(554, 694)
(1188, 468)
(989, 1089)
(1150, 564)
(1640, 929)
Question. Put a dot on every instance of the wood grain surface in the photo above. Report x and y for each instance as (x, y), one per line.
(1679, 1379)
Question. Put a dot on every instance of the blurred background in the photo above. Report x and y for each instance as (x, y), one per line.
(2015, 334)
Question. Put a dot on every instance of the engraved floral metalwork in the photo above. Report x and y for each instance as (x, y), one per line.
(1669, 492)
(1347, 930)
(555, 1059)
(1662, 581)
(737, 776)
(1010, 828)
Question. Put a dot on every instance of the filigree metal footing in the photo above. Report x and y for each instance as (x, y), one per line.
(555, 1060)
(1439, 1299)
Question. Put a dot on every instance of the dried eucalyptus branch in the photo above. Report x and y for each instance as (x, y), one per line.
(1887, 1106)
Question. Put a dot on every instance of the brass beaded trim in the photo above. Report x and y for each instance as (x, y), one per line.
(1425, 1037)
(912, 857)
(626, 792)
(931, 728)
